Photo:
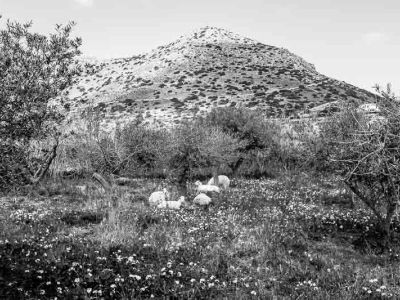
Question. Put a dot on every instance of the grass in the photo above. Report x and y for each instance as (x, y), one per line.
(263, 239)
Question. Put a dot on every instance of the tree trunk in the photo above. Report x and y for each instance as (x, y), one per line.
(35, 178)
(237, 165)
(215, 175)
(182, 182)
(391, 209)
(104, 183)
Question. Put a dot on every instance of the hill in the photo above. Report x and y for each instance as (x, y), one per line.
(210, 67)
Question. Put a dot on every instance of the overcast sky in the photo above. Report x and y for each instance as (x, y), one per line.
(357, 41)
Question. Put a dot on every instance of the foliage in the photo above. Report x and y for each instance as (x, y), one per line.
(248, 126)
(194, 146)
(142, 149)
(364, 147)
(135, 150)
(34, 69)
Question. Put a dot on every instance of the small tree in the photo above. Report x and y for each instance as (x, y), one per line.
(365, 148)
(33, 70)
(194, 146)
(247, 125)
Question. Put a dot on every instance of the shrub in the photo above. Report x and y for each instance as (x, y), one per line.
(248, 126)
(142, 149)
(194, 146)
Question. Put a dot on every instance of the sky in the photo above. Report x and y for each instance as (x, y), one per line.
(357, 41)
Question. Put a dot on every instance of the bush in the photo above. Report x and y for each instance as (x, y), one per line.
(195, 147)
(142, 149)
(256, 132)
(135, 150)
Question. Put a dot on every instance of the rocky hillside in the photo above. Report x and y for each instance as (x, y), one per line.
(210, 67)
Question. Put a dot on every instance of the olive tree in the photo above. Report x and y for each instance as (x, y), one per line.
(364, 145)
(34, 69)
(195, 146)
(248, 126)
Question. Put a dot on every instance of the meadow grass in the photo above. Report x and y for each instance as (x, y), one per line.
(287, 238)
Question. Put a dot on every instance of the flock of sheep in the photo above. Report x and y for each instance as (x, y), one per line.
(160, 198)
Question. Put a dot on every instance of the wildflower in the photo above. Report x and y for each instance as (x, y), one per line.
(373, 280)
(192, 280)
(88, 290)
(253, 293)
(113, 286)
(77, 280)
(42, 292)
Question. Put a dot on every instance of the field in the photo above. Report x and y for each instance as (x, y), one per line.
(292, 237)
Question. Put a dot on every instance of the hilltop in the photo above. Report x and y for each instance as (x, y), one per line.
(209, 67)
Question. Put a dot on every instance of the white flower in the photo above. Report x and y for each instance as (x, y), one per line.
(89, 290)
(253, 293)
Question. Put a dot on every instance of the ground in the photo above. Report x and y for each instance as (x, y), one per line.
(283, 238)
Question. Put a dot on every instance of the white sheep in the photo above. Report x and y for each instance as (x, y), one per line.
(204, 188)
(172, 204)
(158, 197)
(223, 181)
(202, 200)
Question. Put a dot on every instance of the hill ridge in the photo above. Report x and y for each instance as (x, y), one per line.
(206, 68)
